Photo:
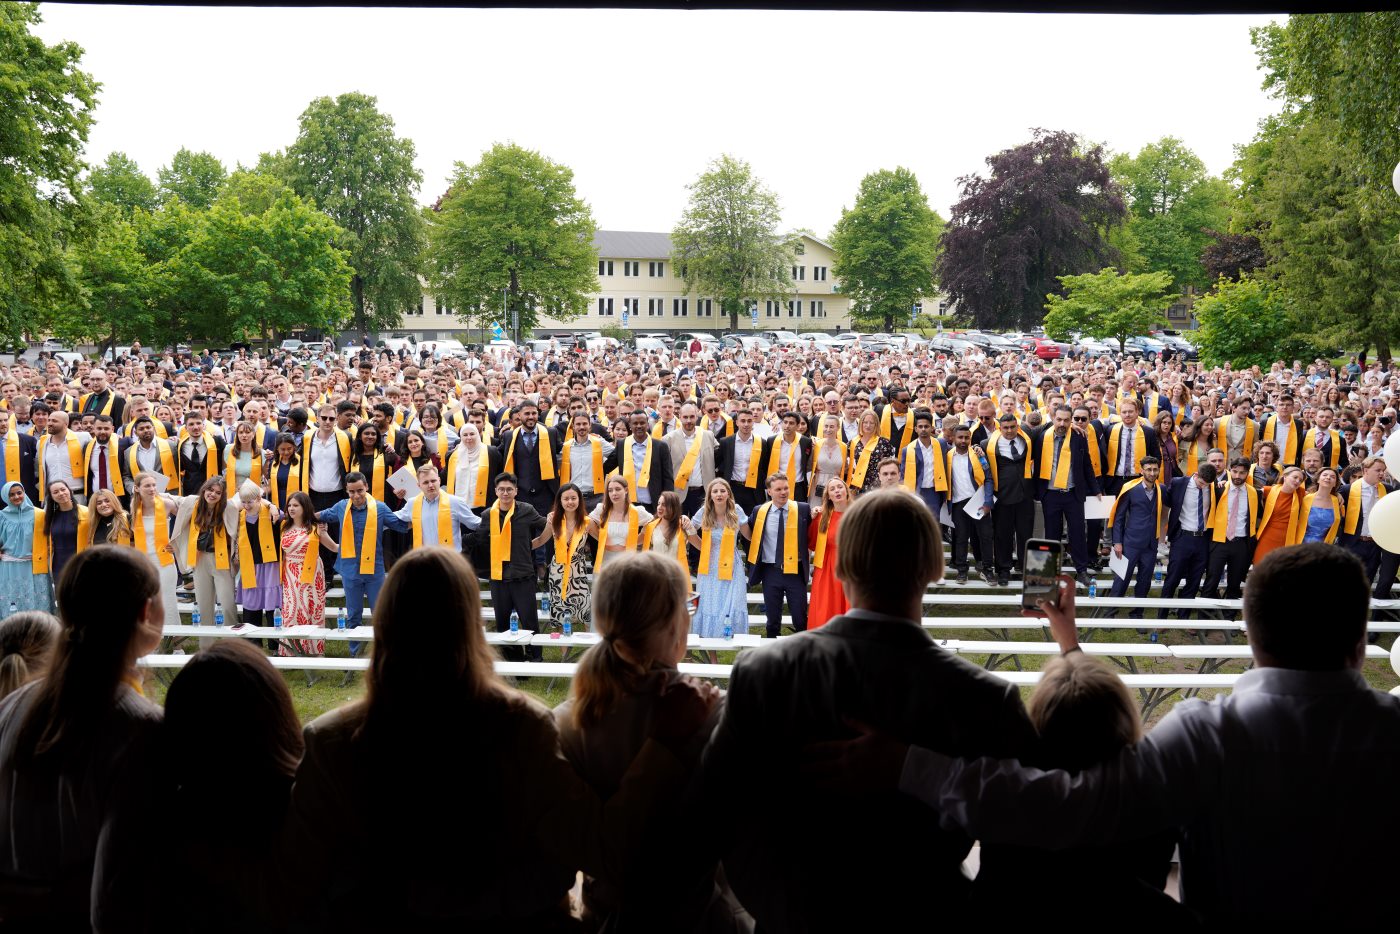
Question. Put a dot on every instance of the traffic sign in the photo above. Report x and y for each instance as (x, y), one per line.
(624, 319)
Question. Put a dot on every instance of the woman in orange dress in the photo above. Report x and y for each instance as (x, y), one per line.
(1283, 506)
(828, 599)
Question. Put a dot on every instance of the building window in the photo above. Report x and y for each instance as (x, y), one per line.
(795, 309)
(631, 267)
(656, 307)
(818, 273)
(799, 273)
(918, 308)
(704, 307)
(940, 309)
(770, 309)
(418, 310)
(632, 306)
(441, 309)
(605, 267)
(656, 270)
(680, 307)
(680, 271)
(818, 308)
(605, 307)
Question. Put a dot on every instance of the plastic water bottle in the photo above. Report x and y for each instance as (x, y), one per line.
(728, 628)
(342, 621)
(14, 608)
(568, 626)
(195, 618)
(1153, 636)
(514, 622)
(277, 618)
(545, 604)
(1157, 576)
(218, 615)
(1093, 587)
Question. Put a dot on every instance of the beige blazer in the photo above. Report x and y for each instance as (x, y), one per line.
(184, 514)
(678, 444)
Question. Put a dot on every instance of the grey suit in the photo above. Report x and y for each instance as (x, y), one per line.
(800, 861)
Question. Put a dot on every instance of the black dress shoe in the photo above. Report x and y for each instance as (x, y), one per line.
(1003, 581)
(962, 577)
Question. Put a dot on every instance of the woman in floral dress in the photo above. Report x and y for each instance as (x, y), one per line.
(303, 602)
(567, 529)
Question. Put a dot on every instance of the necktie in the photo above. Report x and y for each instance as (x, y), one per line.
(1200, 510)
(778, 542)
(196, 451)
(529, 439)
(1055, 458)
(1233, 512)
(1127, 441)
(102, 466)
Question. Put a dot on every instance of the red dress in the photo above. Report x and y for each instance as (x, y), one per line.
(828, 599)
(302, 604)
(1275, 534)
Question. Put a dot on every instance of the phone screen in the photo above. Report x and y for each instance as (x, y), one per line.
(1040, 572)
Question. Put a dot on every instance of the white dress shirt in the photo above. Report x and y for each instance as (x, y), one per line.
(325, 464)
(963, 488)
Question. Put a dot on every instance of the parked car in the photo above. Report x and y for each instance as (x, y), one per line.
(1146, 347)
(447, 347)
(751, 343)
(650, 344)
(1047, 349)
(1092, 347)
(1180, 347)
(775, 337)
(292, 345)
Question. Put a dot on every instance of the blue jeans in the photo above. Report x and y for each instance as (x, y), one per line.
(358, 589)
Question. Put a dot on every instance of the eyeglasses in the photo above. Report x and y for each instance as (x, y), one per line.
(1081, 418)
(327, 418)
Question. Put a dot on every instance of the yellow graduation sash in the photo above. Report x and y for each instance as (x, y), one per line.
(692, 455)
(776, 451)
(1336, 505)
(790, 562)
(114, 471)
(1222, 440)
(1047, 454)
(1290, 452)
(1139, 447)
(138, 532)
(819, 559)
(371, 538)
(267, 545)
(655, 524)
(231, 468)
(566, 465)
(1220, 512)
(726, 553)
(940, 467)
(1270, 499)
(295, 482)
(483, 465)
(1353, 508)
(342, 441)
(995, 438)
(1335, 458)
(756, 455)
(1137, 481)
(860, 465)
(565, 547)
(106, 409)
(12, 458)
(376, 473)
(546, 455)
(167, 463)
(629, 473)
(633, 522)
(40, 541)
(444, 522)
(211, 453)
(887, 427)
(817, 454)
(1193, 458)
(75, 461)
(313, 555)
(220, 544)
(708, 425)
(500, 540)
(658, 431)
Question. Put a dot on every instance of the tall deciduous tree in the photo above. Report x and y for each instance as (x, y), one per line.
(885, 248)
(1232, 255)
(1172, 201)
(1247, 322)
(46, 107)
(1043, 212)
(120, 182)
(193, 177)
(1109, 304)
(513, 222)
(727, 243)
(117, 283)
(348, 160)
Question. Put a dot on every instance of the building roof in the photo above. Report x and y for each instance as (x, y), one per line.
(632, 244)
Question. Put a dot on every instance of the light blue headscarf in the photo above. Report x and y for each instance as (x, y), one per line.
(16, 524)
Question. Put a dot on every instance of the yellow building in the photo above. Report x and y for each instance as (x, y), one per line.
(641, 290)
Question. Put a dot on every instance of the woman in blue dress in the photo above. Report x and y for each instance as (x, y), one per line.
(1322, 508)
(19, 585)
(722, 585)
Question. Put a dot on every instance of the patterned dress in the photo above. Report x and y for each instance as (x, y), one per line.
(302, 604)
(721, 599)
(578, 602)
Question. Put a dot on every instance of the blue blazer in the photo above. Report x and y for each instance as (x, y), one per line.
(1135, 519)
(1081, 469)
(804, 519)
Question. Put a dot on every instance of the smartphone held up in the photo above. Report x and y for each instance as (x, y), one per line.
(1040, 573)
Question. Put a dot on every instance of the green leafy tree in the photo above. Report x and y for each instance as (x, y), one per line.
(349, 162)
(1172, 202)
(1109, 304)
(255, 189)
(885, 248)
(120, 182)
(513, 222)
(193, 177)
(272, 270)
(182, 292)
(727, 243)
(117, 284)
(1246, 323)
(46, 107)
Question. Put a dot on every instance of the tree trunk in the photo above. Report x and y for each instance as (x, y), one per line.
(1383, 350)
(889, 324)
(357, 292)
(513, 303)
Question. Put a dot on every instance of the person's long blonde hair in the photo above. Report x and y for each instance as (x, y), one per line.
(637, 599)
(120, 533)
(712, 516)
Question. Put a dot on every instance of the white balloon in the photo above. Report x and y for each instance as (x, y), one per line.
(1392, 454)
(1395, 178)
(1385, 522)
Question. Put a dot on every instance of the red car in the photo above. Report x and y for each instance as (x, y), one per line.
(1046, 349)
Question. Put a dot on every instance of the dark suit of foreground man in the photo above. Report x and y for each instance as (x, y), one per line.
(803, 861)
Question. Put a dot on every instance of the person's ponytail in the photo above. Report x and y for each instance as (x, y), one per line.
(25, 642)
(602, 678)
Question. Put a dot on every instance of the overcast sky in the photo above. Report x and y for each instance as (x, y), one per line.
(637, 102)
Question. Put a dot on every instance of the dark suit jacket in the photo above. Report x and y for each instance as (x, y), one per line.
(28, 465)
(798, 484)
(804, 518)
(1080, 467)
(95, 403)
(1135, 519)
(841, 873)
(1176, 500)
(661, 478)
(524, 526)
(724, 461)
(533, 488)
(1296, 430)
(1344, 492)
(192, 472)
(1223, 487)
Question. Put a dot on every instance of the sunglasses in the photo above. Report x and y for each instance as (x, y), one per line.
(1081, 418)
(327, 418)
